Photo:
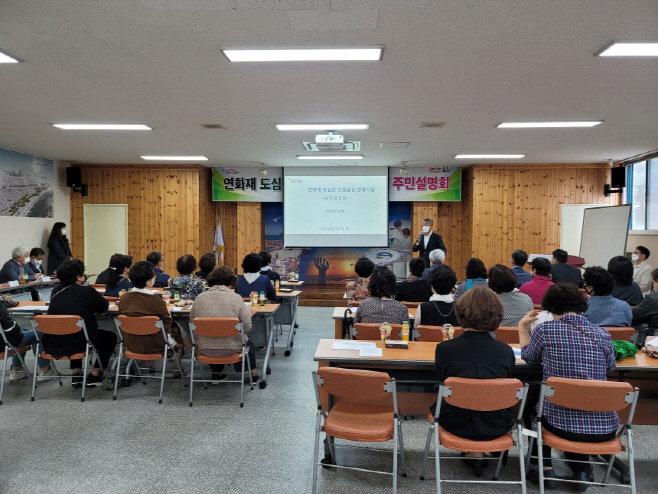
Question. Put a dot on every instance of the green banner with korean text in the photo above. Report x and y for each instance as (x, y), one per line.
(435, 183)
(246, 184)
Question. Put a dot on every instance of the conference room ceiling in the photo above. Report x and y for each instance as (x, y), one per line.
(471, 64)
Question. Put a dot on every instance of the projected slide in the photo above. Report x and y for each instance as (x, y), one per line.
(322, 210)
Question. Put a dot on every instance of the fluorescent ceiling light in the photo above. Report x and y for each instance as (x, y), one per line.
(629, 49)
(7, 58)
(102, 126)
(324, 126)
(175, 158)
(330, 156)
(489, 156)
(304, 55)
(537, 125)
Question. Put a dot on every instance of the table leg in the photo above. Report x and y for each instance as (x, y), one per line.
(270, 336)
(293, 325)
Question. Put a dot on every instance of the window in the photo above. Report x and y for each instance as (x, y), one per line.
(643, 194)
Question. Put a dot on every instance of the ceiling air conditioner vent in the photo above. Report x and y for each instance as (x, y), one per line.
(212, 126)
(432, 125)
(332, 146)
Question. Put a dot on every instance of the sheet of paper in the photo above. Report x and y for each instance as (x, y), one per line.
(112, 305)
(13, 283)
(370, 352)
(176, 309)
(517, 352)
(653, 342)
(352, 345)
(353, 310)
(44, 279)
(30, 308)
(411, 316)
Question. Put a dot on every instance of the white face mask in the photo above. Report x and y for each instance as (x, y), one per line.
(37, 262)
(426, 229)
(635, 257)
(63, 231)
(152, 281)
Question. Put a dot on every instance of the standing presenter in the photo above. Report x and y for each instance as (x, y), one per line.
(427, 241)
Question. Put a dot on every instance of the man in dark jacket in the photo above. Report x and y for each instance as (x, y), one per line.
(561, 271)
(427, 241)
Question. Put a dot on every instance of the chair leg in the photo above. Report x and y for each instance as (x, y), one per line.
(402, 463)
(4, 374)
(20, 357)
(191, 374)
(164, 369)
(499, 465)
(59, 377)
(631, 458)
(428, 443)
(436, 459)
(242, 380)
(139, 371)
(84, 373)
(118, 369)
(519, 440)
(531, 442)
(179, 365)
(316, 447)
(34, 374)
(540, 460)
(610, 459)
(395, 456)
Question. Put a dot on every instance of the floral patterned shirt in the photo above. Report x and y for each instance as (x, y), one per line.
(187, 286)
(358, 290)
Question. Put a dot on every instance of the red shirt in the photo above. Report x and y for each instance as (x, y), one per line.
(536, 288)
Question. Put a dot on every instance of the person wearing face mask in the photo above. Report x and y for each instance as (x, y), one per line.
(36, 261)
(427, 241)
(642, 269)
(16, 267)
(59, 249)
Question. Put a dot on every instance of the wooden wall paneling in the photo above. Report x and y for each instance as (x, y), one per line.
(249, 225)
(206, 212)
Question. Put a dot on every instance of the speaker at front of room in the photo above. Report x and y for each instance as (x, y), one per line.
(73, 176)
(618, 177)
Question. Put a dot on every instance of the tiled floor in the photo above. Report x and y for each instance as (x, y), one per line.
(59, 445)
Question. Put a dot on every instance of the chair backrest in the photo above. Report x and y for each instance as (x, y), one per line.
(59, 325)
(141, 326)
(588, 395)
(483, 395)
(621, 334)
(412, 305)
(354, 303)
(370, 331)
(433, 333)
(97, 285)
(507, 334)
(111, 299)
(354, 384)
(216, 327)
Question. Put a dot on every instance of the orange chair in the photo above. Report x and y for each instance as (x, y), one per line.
(357, 419)
(143, 326)
(412, 305)
(587, 396)
(507, 334)
(370, 331)
(354, 303)
(218, 327)
(10, 350)
(621, 334)
(60, 326)
(433, 333)
(482, 395)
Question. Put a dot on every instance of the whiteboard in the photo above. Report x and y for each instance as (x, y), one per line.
(605, 233)
(571, 225)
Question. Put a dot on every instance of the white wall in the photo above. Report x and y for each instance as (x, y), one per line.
(33, 232)
(648, 241)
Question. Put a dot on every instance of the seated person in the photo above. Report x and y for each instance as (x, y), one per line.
(16, 267)
(541, 280)
(604, 310)
(561, 271)
(221, 301)
(206, 264)
(73, 298)
(440, 309)
(358, 290)
(502, 280)
(437, 256)
(517, 262)
(19, 338)
(380, 306)
(36, 261)
(252, 280)
(161, 279)
(476, 275)
(415, 288)
(476, 355)
(625, 288)
(118, 280)
(101, 279)
(642, 269)
(569, 346)
(141, 302)
(265, 268)
(647, 310)
(187, 285)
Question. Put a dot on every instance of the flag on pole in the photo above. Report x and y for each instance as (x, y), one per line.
(219, 243)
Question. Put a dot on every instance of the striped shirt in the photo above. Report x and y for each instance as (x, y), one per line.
(564, 351)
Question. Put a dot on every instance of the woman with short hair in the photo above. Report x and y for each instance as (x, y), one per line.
(476, 354)
(252, 280)
(357, 290)
(440, 309)
(502, 280)
(476, 275)
(415, 288)
(380, 306)
(569, 346)
(621, 269)
(117, 279)
(206, 264)
(187, 285)
(604, 309)
(265, 268)
(221, 301)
